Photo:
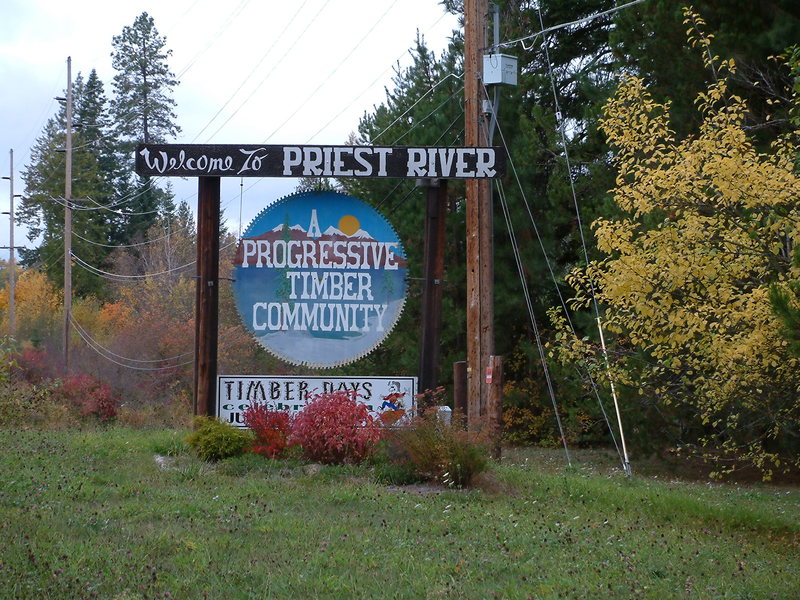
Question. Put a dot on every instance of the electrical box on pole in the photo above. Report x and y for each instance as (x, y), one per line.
(499, 69)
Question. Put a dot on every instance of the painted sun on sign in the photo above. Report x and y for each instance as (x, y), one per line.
(320, 278)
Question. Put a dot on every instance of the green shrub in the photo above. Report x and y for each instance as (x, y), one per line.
(26, 405)
(392, 464)
(434, 451)
(214, 440)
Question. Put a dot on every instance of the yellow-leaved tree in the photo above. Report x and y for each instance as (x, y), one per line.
(37, 306)
(707, 224)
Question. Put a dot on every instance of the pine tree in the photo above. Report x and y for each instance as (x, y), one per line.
(143, 105)
(649, 40)
(42, 208)
(422, 108)
(785, 299)
(93, 121)
(143, 109)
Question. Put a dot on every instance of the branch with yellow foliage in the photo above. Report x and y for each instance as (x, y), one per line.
(708, 225)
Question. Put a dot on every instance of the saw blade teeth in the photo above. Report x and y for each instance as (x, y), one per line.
(389, 328)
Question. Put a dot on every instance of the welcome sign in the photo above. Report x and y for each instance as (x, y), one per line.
(320, 278)
(199, 160)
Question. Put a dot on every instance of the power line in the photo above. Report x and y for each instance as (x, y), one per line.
(434, 111)
(548, 263)
(626, 465)
(333, 71)
(544, 31)
(120, 356)
(529, 305)
(459, 117)
(108, 354)
(368, 87)
(255, 182)
(42, 118)
(101, 350)
(117, 277)
(277, 62)
(131, 115)
(420, 99)
(135, 245)
(253, 70)
(235, 13)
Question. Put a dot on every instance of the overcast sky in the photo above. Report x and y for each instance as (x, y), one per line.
(251, 71)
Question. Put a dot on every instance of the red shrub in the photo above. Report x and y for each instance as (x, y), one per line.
(33, 364)
(271, 428)
(90, 396)
(335, 428)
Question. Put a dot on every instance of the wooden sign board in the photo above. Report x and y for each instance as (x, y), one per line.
(291, 393)
(197, 160)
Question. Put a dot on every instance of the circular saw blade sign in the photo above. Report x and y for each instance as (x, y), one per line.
(320, 278)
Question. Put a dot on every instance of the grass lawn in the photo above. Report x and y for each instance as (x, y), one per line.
(92, 514)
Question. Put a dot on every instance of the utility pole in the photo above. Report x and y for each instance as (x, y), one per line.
(12, 263)
(480, 272)
(68, 221)
(12, 258)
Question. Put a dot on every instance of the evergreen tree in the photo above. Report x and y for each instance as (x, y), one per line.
(785, 299)
(143, 105)
(540, 128)
(315, 184)
(581, 63)
(92, 119)
(42, 207)
(649, 40)
(422, 108)
(549, 124)
(785, 302)
(143, 110)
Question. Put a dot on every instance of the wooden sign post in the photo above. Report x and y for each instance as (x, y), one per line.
(433, 283)
(207, 296)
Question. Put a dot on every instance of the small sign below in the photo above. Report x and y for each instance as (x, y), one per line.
(388, 398)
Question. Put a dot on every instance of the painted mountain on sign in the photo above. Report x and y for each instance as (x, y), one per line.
(361, 244)
(331, 233)
(280, 228)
